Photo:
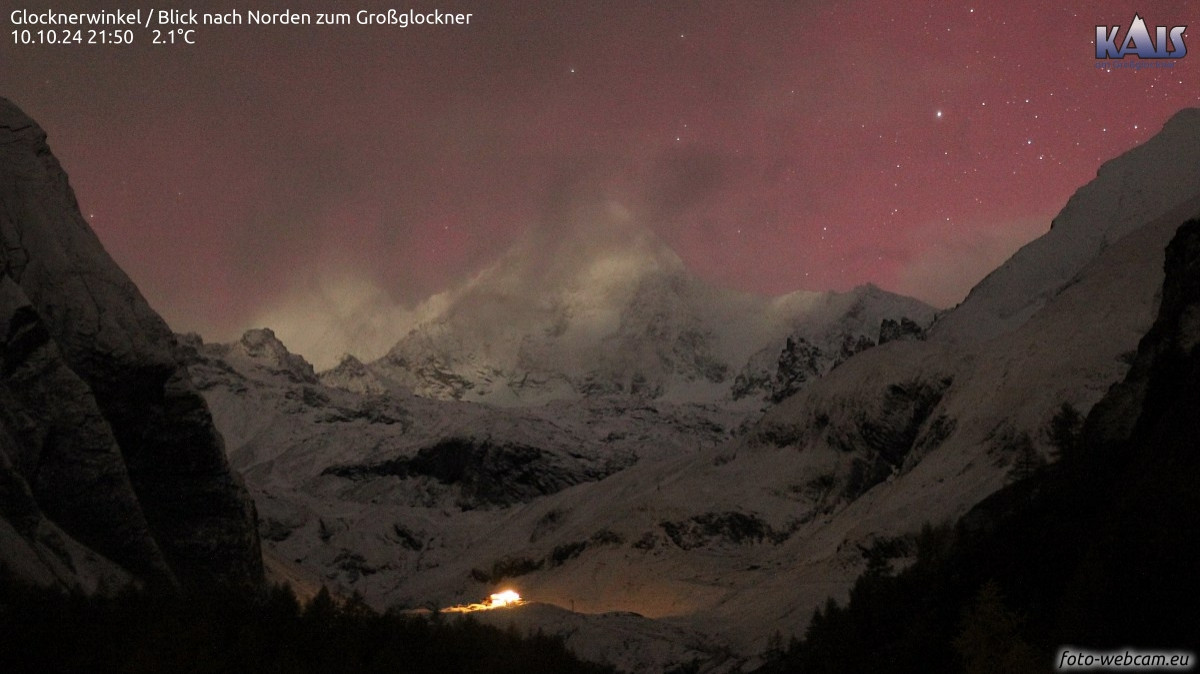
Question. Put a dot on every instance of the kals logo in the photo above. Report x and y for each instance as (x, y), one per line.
(1137, 42)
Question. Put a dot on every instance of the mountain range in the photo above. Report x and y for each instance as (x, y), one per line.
(665, 469)
(710, 461)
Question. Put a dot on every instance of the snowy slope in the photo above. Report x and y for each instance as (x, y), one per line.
(403, 498)
(1142, 185)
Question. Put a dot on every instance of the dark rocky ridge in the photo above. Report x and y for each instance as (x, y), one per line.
(102, 433)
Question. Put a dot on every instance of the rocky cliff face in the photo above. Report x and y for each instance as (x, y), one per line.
(104, 441)
(1162, 376)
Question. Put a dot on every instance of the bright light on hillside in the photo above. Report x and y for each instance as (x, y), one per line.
(505, 598)
(502, 599)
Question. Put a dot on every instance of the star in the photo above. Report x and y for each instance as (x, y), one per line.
(939, 114)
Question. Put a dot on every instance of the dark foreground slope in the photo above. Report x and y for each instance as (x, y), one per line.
(110, 466)
(1096, 551)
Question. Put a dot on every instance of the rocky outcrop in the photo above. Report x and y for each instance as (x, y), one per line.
(100, 422)
(905, 328)
(721, 528)
(800, 363)
(852, 346)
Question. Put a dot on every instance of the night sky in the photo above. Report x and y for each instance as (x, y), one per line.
(774, 145)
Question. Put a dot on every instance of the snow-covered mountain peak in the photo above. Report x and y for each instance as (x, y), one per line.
(261, 347)
(602, 306)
